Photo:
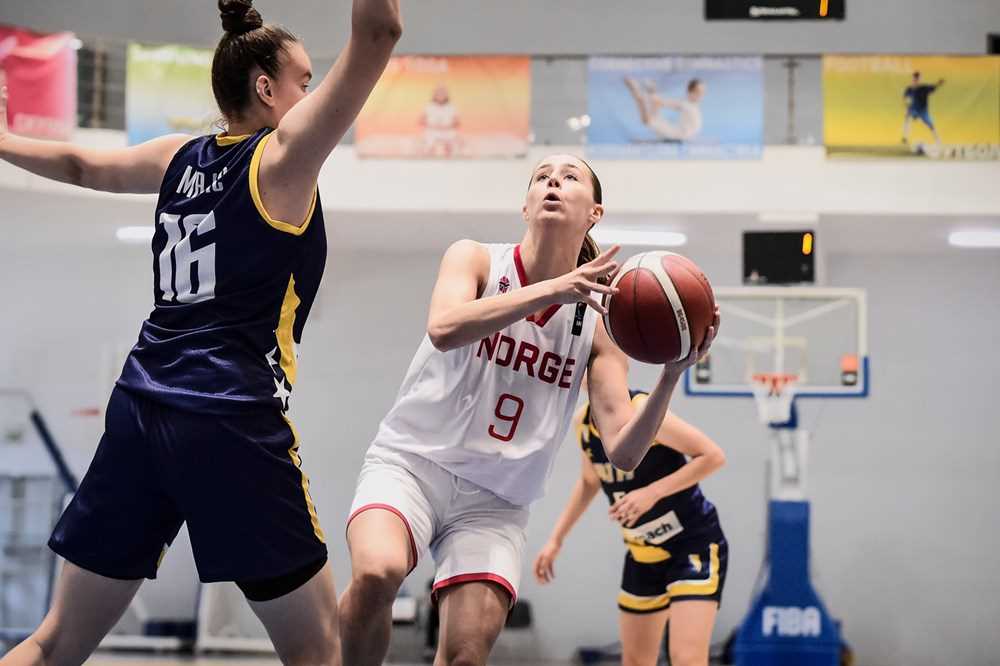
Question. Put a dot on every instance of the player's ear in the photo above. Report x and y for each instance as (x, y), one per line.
(265, 91)
(596, 213)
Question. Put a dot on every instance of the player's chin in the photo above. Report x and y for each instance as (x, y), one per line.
(558, 218)
(551, 215)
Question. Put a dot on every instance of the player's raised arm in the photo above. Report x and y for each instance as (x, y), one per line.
(138, 169)
(458, 317)
(705, 458)
(311, 129)
(628, 432)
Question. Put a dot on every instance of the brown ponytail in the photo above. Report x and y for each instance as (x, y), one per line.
(588, 252)
(248, 42)
(590, 249)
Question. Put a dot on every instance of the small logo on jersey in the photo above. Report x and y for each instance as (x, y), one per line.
(656, 531)
(504, 284)
(581, 312)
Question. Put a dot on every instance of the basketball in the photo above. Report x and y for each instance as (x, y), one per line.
(663, 308)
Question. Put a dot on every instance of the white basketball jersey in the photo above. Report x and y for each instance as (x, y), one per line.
(495, 412)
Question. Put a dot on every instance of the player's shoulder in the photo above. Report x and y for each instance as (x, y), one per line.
(467, 246)
(467, 256)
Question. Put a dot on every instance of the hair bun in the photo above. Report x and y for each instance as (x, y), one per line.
(239, 16)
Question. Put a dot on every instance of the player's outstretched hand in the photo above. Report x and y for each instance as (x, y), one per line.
(700, 353)
(577, 285)
(544, 571)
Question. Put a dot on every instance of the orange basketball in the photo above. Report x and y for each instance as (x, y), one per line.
(663, 309)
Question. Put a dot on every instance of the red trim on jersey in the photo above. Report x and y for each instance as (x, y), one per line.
(474, 578)
(394, 510)
(522, 277)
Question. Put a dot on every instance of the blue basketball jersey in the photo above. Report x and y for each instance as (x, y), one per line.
(232, 286)
(677, 518)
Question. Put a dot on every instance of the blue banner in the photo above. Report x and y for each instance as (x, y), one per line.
(676, 108)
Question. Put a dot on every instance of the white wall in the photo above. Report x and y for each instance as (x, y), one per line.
(556, 27)
(786, 179)
(904, 505)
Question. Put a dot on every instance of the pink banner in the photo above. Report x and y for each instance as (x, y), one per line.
(40, 74)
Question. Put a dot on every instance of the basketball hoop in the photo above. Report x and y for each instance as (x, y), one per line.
(774, 393)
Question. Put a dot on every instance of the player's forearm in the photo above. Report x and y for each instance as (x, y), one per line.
(377, 20)
(695, 471)
(50, 159)
(628, 446)
(581, 497)
(470, 322)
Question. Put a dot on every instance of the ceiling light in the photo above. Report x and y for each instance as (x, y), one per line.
(978, 238)
(134, 234)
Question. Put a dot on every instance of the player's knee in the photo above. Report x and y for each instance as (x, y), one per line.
(51, 651)
(42, 644)
(466, 653)
(636, 659)
(688, 655)
(326, 654)
(379, 579)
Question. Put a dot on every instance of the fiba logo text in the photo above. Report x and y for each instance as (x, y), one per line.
(792, 621)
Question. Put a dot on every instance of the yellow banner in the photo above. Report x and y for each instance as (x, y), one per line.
(926, 107)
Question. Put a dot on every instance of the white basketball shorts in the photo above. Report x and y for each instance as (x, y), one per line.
(472, 534)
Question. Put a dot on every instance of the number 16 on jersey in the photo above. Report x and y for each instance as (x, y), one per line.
(187, 262)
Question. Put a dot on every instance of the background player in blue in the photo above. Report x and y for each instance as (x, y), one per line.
(195, 429)
(918, 106)
(675, 565)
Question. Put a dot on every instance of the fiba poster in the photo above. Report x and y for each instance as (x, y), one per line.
(448, 107)
(39, 72)
(168, 89)
(915, 107)
(675, 108)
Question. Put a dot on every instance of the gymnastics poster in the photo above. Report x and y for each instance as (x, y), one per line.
(912, 107)
(448, 107)
(168, 89)
(693, 108)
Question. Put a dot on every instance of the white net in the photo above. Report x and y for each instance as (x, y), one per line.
(774, 394)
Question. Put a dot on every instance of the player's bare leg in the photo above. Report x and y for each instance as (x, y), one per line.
(691, 625)
(84, 609)
(380, 560)
(642, 636)
(303, 623)
(472, 616)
